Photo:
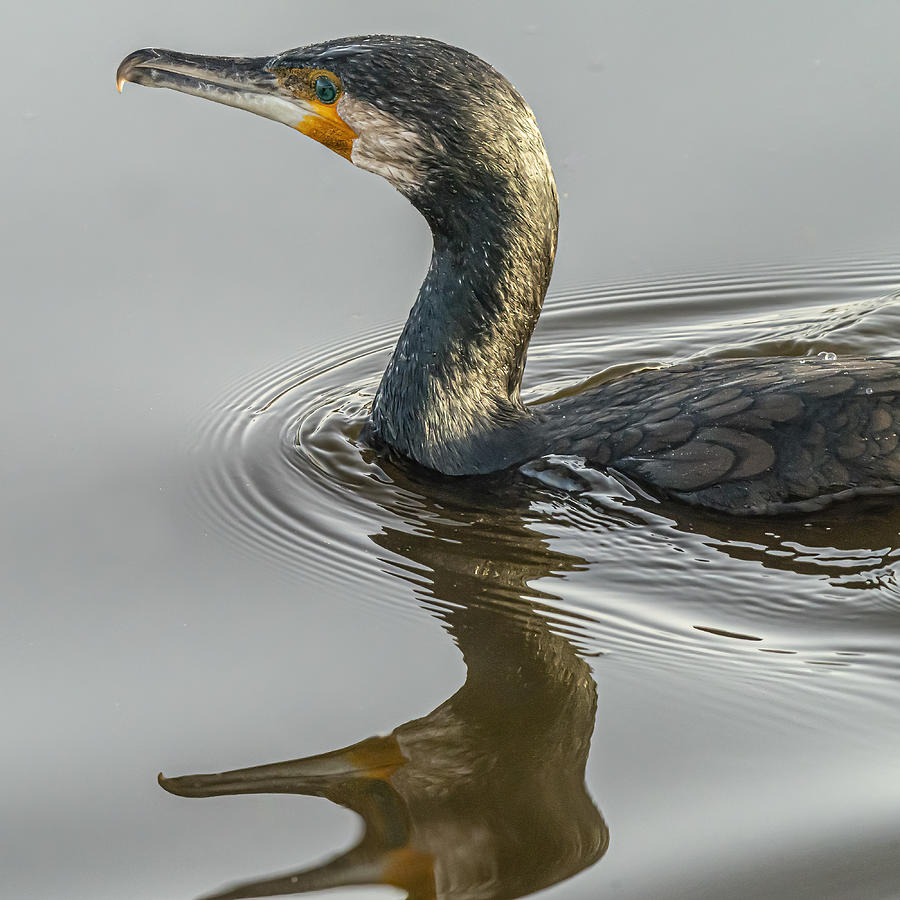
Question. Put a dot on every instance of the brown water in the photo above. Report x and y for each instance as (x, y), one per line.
(576, 688)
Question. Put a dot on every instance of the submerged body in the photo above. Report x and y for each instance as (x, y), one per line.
(454, 136)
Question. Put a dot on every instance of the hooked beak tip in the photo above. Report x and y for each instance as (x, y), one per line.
(171, 785)
(135, 64)
(126, 67)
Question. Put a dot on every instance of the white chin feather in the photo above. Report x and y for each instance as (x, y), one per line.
(385, 145)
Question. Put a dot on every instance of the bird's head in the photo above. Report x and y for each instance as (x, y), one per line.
(435, 121)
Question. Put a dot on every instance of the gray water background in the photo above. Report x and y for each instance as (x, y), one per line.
(155, 249)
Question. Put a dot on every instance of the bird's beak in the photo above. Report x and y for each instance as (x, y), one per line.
(249, 83)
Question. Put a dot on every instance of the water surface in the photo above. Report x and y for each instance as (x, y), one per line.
(557, 583)
(576, 689)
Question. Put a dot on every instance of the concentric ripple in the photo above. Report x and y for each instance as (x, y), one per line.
(282, 472)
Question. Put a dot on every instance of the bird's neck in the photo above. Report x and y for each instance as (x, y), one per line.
(449, 398)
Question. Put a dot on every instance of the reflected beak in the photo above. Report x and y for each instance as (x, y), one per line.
(357, 777)
(325, 775)
(249, 83)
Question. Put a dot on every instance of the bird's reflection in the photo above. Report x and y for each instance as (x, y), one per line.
(484, 797)
(851, 544)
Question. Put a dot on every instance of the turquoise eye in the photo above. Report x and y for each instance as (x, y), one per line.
(326, 89)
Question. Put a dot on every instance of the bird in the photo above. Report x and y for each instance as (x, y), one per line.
(755, 436)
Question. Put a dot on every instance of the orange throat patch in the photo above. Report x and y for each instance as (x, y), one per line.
(330, 129)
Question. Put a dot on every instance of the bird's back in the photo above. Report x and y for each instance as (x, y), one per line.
(749, 436)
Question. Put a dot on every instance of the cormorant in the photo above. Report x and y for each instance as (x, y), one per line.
(747, 436)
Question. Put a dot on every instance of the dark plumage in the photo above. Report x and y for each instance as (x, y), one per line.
(453, 135)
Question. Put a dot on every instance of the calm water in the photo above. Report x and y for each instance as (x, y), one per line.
(545, 681)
